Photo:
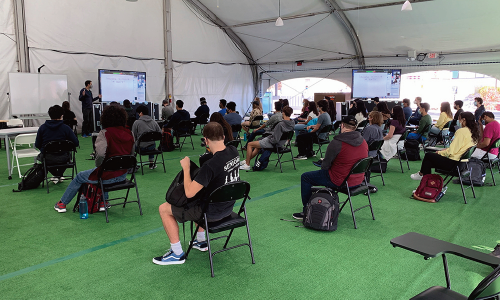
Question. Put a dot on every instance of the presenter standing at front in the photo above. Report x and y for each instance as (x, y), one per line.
(87, 99)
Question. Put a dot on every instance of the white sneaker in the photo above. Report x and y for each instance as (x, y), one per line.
(54, 180)
(245, 167)
(243, 162)
(416, 176)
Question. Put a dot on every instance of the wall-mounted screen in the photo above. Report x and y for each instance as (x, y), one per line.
(376, 83)
(120, 85)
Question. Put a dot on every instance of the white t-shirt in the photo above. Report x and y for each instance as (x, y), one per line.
(312, 115)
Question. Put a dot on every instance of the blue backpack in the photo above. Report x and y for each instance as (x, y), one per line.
(263, 160)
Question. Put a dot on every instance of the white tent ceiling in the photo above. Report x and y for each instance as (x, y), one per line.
(78, 37)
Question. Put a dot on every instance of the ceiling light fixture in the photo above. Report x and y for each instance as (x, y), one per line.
(406, 6)
(279, 21)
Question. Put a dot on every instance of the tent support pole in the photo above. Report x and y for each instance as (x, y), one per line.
(167, 37)
(21, 40)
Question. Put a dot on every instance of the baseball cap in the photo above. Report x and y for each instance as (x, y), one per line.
(350, 120)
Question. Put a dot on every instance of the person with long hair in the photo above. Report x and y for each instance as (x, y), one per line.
(228, 132)
(358, 110)
(373, 132)
(113, 140)
(465, 137)
(384, 110)
(445, 117)
(69, 117)
(304, 112)
(313, 114)
(332, 111)
(396, 129)
(256, 111)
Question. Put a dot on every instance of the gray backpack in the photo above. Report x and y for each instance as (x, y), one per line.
(478, 172)
(322, 211)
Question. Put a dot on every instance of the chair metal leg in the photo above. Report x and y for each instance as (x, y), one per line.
(293, 161)
(470, 180)
(279, 161)
(163, 162)
(491, 169)
(446, 273)
(369, 200)
(192, 144)
(381, 174)
(126, 197)
(192, 239)
(461, 184)
(209, 247)
(400, 163)
(248, 233)
(228, 237)
(142, 165)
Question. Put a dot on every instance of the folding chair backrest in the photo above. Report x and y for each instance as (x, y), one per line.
(447, 125)
(363, 123)
(287, 135)
(183, 126)
(150, 136)
(59, 146)
(258, 118)
(236, 128)
(25, 139)
(117, 163)
(325, 129)
(375, 145)
(488, 287)
(359, 168)
(15, 123)
(468, 153)
(427, 129)
(230, 192)
(404, 135)
(495, 144)
(234, 143)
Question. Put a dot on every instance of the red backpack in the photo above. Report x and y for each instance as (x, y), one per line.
(92, 193)
(430, 187)
(167, 142)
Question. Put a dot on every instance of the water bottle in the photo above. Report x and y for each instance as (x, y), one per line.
(83, 208)
(441, 194)
(245, 136)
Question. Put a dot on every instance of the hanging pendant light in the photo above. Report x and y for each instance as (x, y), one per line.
(406, 6)
(279, 21)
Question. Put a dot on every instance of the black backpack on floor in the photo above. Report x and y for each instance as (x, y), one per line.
(478, 172)
(31, 179)
(322, 211)
(263, 161)
(412, 150)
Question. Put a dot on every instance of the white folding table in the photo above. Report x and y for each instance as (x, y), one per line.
(13, 132)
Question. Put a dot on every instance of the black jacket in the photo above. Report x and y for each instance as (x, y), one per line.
(54, 130)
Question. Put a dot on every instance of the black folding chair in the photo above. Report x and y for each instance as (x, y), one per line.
(236, 129)
(402, 139)
(151, 136)
(362, 125)
(434, 138)
(257, 118)
(59, 148)
(377, 145)
(336, 127)
(183, 130)
(227, 193)
(494, 161)
(455, 172)
(118, 163)
(325, 130)
(280, 151)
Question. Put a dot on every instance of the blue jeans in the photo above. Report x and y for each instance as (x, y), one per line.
(416, 136)
(81, 178)
(298, 128)
(149, 148)
(313, 178)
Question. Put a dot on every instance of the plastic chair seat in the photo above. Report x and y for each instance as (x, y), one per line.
(126, 184)
(22, 153)
(439, 293)
(230, 222)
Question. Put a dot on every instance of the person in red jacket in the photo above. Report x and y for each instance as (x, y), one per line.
(345, 150)
(113, 140)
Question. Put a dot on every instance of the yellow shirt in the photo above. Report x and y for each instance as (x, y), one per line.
(461, 142)
(443, 119)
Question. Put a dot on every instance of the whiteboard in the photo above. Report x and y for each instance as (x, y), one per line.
(35, 93)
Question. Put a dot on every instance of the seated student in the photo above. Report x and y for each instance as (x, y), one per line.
(167, 110)
(396, 129)
(487, 136)
(254, 147)
(214, 173)
(358, 110)
(201, 113)
(305, 141)
(55, 130)
(131, 116)
(426, 119)
(69, 117)
(313, 114)
(178, 116)
(444, 118)
(416, 116)
(113, 140)
(222, 106)
(407, 109)
(465, 137)
(478, 102)
(342, 153)
(269, 125)
(384, 110)
(332, 111)
(260, 104)
(232, 117)
(376, 101)
(373, 132)
(256, 111)
(145, 124)
(457, 105)
(303, 112)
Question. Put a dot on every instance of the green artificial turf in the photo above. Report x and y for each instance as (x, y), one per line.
(49, 255)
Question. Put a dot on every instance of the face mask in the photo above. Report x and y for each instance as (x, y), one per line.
(475, 103)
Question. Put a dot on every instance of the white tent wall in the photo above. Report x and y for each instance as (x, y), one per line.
(8, 55)
(194, 39)
(82, 67)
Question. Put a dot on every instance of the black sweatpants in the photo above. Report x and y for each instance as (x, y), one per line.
(305, 143)
(436, 161)
(87, 125)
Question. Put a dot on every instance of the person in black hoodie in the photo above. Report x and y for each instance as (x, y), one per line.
(55, 130)
(179, 115)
